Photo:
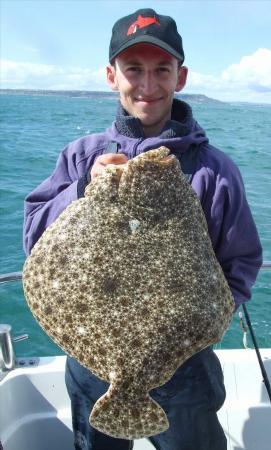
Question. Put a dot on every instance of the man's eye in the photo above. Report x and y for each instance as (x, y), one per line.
(163, 69)
(134, 69)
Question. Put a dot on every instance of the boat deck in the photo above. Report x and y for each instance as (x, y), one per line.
(37, 413)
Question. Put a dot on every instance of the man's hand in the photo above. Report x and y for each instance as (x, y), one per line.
(103, 160)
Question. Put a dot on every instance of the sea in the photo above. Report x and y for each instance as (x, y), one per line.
(35, 128)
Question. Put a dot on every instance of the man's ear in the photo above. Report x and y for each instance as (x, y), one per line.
(111, 77)
(182, 76)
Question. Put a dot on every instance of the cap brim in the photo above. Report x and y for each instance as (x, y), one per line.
(148, 40)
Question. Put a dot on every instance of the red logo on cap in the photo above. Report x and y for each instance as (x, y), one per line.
(141, 22)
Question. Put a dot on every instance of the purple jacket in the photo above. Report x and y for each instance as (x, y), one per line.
(216, 181)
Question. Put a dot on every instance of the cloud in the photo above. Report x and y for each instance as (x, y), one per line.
(27, 75)
(253, 71)
(248, 80)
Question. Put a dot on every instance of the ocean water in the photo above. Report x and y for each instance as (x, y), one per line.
(34, 129)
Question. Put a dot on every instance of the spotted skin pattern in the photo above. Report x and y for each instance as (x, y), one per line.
(126, 281)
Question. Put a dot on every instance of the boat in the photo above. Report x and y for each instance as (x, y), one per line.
(35, 407)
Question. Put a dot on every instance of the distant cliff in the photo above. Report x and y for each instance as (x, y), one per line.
(194, 98)
(197, 98)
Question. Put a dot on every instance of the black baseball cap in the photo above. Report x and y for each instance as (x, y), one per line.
(146, 26)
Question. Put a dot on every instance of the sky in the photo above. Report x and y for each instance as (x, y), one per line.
(63, 44)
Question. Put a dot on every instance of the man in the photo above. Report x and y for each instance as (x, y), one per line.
(146, 68)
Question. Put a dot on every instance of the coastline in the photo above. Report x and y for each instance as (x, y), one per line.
(197, 98)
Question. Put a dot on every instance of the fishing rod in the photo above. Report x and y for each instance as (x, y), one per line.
(266, 265)
(253, 337)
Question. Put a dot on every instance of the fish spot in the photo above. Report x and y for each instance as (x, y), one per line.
(82, 287)
(125, 301)
(116, 332)
(97, 335)
(135, 413)
(144, 311)
(38, 260)
(179, 353)
(82, 307)
(116, 412)
(120, 360)
(160, 303)
(95, 412)
(74, 275)
(63, 260)
(102, 350)
(91, 361)
(68, 318)
(65, 338)
(97, 259)
(125, 423)
(195, 266)
(51, 273)
(136, 343)
(110, 285)
(59, 300)
(153, 417)
(126, 384)
(163, 329)
(123, 227)
(48, 309)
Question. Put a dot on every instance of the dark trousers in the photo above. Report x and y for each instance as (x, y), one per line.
(190, 399)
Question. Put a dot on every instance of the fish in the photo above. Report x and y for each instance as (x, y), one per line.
(141, 22)
(127, 282)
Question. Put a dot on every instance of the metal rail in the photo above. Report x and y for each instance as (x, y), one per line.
(12, 276)
(15, 276)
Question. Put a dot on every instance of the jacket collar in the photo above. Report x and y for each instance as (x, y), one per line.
(180, 124)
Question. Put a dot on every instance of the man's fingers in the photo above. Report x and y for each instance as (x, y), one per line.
(112, 158)
(97, 170)
(104, 160)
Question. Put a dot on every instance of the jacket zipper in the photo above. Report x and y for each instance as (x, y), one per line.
(134, 152)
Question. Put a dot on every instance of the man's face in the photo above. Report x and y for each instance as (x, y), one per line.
(146, 78)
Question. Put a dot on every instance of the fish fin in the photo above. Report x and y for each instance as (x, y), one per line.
(128, 419)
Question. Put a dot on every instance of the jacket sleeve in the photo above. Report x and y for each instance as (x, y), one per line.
(232, 229)
(51, 197)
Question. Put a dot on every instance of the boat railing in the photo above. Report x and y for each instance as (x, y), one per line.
(12, 276)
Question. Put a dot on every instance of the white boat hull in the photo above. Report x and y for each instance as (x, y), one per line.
(35, 410)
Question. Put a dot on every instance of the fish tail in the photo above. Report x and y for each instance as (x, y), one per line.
(128, 418)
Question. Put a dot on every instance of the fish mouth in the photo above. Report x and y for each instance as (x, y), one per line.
(160, 157)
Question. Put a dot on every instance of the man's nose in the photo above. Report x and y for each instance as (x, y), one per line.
(149, 83)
